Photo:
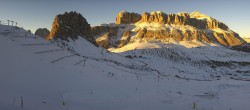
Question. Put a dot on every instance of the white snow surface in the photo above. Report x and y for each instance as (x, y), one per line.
(199, 15)
(49, 77)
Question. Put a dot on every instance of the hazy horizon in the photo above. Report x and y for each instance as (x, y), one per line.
(40, 14)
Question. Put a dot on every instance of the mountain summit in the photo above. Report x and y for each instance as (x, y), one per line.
(71, 25)
(161, 27)
(195, 19)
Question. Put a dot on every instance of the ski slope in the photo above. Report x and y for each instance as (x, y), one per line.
(84, 77)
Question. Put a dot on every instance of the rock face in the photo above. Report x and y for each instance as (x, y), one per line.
(227, 39)
(162, 27)
(127, 18)
(125, 39)
(203, 21)
(42, 32)
(104, 29)
(71, 26)
(195, 19)
(105, 34)
(104, 41)
(158, 17)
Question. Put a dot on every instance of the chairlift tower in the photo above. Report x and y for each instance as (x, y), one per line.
(12, 22)
(8, 22)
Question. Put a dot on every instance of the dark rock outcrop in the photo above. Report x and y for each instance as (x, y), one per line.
(104, 34)
(243, 48)
(104, 40)
(71, 26)
(96, 30)
(125, 39)
(42, 32)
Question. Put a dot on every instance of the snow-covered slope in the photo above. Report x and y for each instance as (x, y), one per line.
(85, 77)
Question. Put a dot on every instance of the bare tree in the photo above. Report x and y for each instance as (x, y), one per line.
(16, 23)
(8, 22)
(0, 22)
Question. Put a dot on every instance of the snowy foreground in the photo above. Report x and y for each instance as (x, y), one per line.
(89, 78)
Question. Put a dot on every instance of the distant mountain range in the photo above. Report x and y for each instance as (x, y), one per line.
(148, 27)
(164, 28)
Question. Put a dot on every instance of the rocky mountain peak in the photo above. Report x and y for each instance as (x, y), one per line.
(124, 17)
(195, 19)
(158, 26)
(71, 25)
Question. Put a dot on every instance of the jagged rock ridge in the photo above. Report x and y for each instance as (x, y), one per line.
(126, 17)
(71, 25)
(195, 19)
(158, 26)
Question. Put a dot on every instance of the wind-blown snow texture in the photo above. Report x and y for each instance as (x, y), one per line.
(84, 77)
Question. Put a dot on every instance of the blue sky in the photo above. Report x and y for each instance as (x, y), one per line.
(33, 14)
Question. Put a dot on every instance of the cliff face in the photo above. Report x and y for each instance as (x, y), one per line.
(71, 25)
(227, 38)
(127, 18)
(104, 29)
(105, 35)
(195, 19)
(162, 27)
(203, 21)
